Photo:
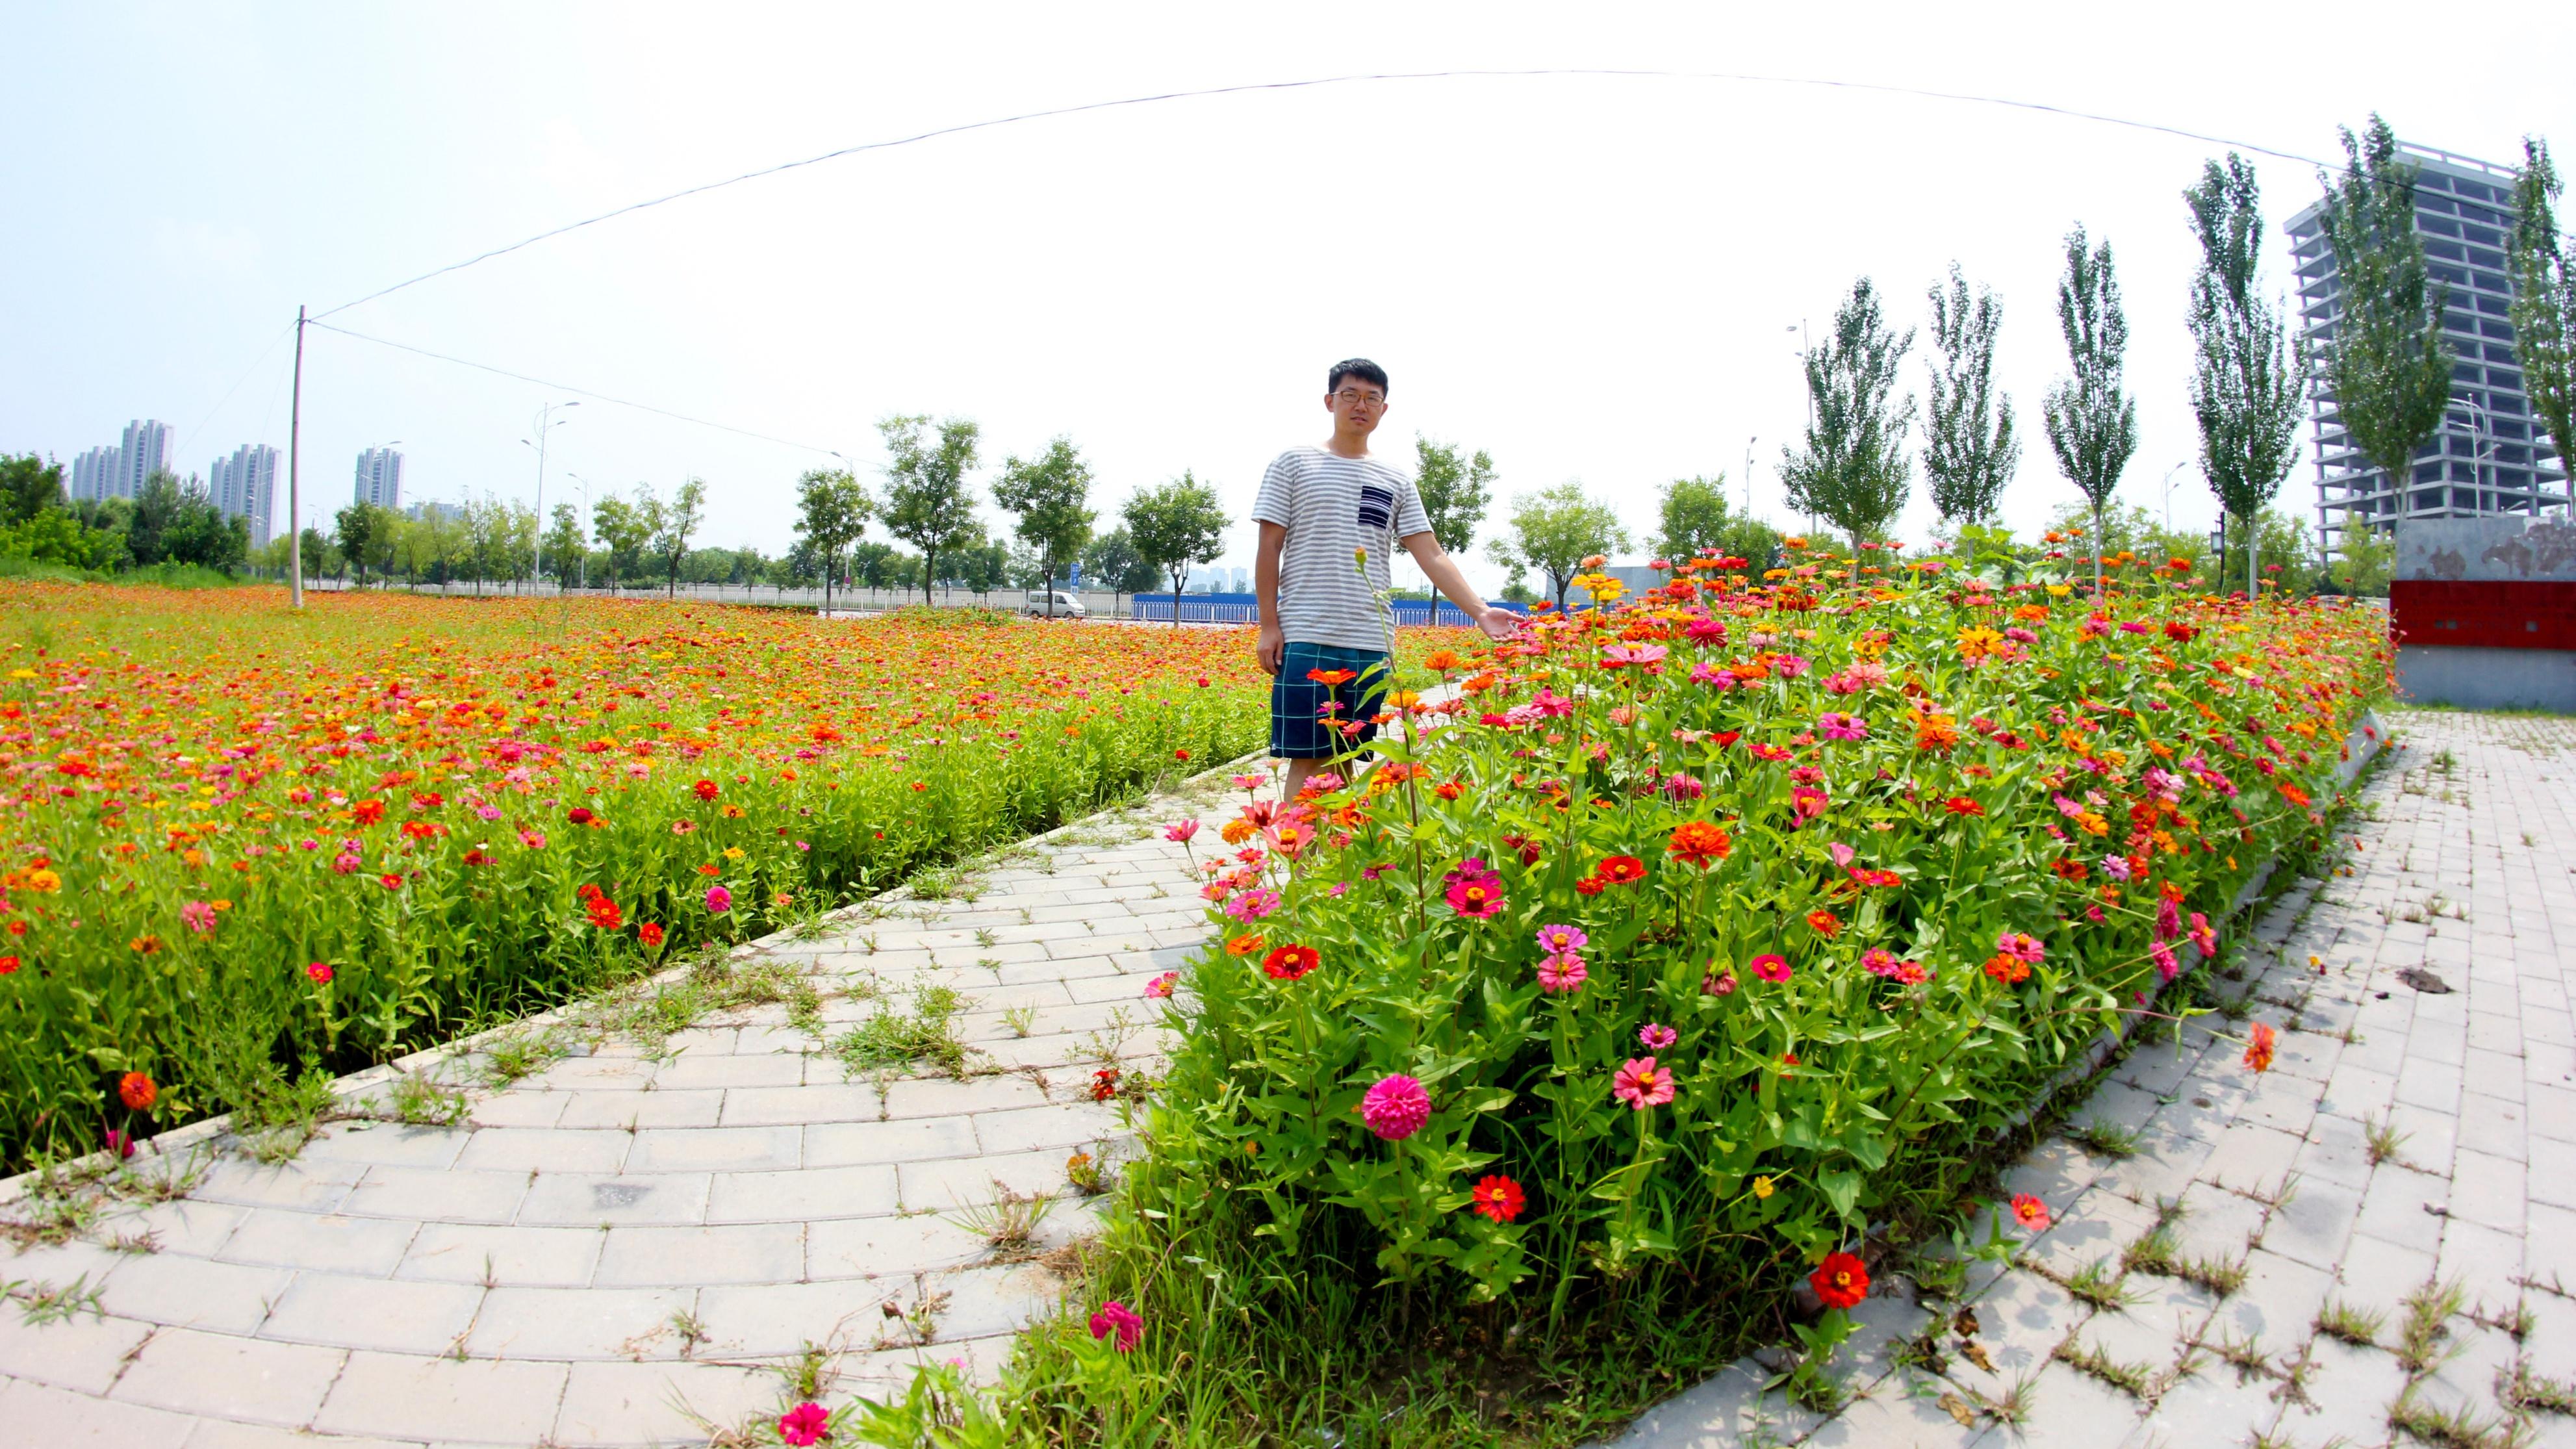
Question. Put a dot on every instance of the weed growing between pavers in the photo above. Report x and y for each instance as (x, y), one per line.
(896, 1040)
(1782, 898)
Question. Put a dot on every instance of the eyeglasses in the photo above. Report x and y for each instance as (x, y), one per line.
(1348, 398)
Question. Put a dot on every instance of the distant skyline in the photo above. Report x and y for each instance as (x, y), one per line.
(1599, 278)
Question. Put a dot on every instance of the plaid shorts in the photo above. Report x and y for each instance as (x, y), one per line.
(1300, 729)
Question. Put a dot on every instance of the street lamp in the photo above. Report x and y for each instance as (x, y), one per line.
(2169, 472)
(546, 423)
(581, 565)
(1748, 474)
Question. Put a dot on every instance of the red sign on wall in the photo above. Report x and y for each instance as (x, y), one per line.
(2481, 614)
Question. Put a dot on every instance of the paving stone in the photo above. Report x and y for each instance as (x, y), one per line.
(795, 1106)
(2376, 1274)
(2394, 1207)
(479, 1401)
(64, 1419)
(681, 1107)
(2071, 1408)
(553, 1149)
(388, 1144)
(526, 1108)
(2250, 1157)
(326, 1241)
(218, 1434)
(2091, 1229)
(317, 1188)
(844, 1144)
(516, 1256)
(1892, 1418)
(2481, 1257)
(397, 1315)
(946, 1184)
(2024, 1317)
(715, 1149)
(82, 1352)
(194, 1292)
(688, 1256)
(188, 1371)
(453, 1195)
(876, 1247)
(827, 1192)
(570, 1199)
(659, 1403)
(579, 1323)
(776, 1070)
(759, 1319)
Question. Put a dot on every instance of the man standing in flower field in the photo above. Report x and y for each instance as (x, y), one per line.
(1330, 519)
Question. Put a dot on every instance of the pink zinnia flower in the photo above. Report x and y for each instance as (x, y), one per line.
(2167, 968)
(1116, 1317)
(1180, 832)
(1248, 782)
(1396, 1107)
(1253, 904)
(804, 1424)
(2021, 947)
(320, 971)
(2204, 935)
(719, 900)
(2116, 866)
(1836, 726)
(1561, 973)
(1474, 890)
(1642, 1084)
(1162, 985)
(2168, 919)
(1655, 1037)
(1808, 802)
(199, 916)
(1712, 676)
(1562, 940)
(1771, 968)
(533, 840)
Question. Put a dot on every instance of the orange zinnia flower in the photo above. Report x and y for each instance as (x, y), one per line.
(2258, 1052)
(1698, 843)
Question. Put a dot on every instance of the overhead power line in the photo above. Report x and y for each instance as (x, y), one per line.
(1203, 93)
(568, 387)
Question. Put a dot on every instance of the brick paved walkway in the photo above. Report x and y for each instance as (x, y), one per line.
(2404, 1137)
(621, 1247)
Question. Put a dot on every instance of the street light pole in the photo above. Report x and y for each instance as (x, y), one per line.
(294, 489)
(545, 424)
(1748, 475)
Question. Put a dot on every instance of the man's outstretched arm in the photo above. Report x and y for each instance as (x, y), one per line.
(1444, 574)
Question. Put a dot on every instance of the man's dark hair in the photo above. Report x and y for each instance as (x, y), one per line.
(1359, 367)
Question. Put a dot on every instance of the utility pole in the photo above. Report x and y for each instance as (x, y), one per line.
(294, 494)
(1748, 475)
(545, 424)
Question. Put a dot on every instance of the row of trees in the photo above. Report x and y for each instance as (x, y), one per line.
(2384, 364)
(169, 521)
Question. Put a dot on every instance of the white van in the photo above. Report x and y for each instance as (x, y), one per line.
(1066, 605)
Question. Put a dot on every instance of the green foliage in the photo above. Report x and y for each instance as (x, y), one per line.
(564, 544)
(54, 536)
(28, 486)
(2244, 388)
(832, 514)
(1969, 450)
(1176, 525)
(2365, 558)
(1113, 562)
(366, 537)
(1048, 492)
(2387, 364)
(1853, 471)
(1695, 520)
(2544, 300)
(927, 501)
(672, 525)
(2092, 425)
(1455, 491)
(1553, 531)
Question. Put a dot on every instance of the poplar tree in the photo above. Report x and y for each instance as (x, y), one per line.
(2387, 365)
(2244, 391)
(1969, 450)
(927, 501)
(2544, 301)
(1455, 490)
(2092, 424)
(1853, 471)
(1047, 492)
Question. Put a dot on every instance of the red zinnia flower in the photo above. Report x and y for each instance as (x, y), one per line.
(1825, 924)
(1621, 870)
(1962, 805)
(2258, 1052)
(649, 934)
(705, 789)
(2030, 1212)
(368, 812)
(578, 815)
(1287, 963)
(320, 971)
(1499, 1198)
(604, 913)
(1104, 1084)
(137, 1091)
(1842, 1280)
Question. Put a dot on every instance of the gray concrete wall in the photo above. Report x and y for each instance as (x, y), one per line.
(2498, 549)
(2475, 678)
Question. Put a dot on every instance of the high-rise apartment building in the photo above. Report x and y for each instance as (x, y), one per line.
(380, 478)
(2490, 456)
(245, 485)
(119, 472)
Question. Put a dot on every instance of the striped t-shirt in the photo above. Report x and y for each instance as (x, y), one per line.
(1331, 505)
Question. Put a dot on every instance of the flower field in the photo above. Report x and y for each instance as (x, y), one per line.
(1708, 940)
(241, 844)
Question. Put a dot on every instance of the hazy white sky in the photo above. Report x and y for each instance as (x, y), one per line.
(1591, 278)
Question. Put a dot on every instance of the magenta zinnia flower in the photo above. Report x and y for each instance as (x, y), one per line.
(199, 916)
(1656, 1037)
(1474, 890)
(804, 1424)
(1179, 833)
(1562, 973)
(1562, 940)
(1116, 1317)
(1771, 968)
(1835, 726)
(1642, 1084)
(1396, 1107)
(719, 900)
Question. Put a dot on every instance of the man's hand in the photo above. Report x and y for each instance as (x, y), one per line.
(1271, 648)
(1498, 623)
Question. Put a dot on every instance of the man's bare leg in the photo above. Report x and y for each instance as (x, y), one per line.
(1298, 773)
